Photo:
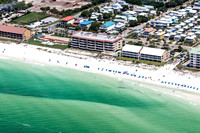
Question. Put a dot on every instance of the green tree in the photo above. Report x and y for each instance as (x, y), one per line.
(133, 23)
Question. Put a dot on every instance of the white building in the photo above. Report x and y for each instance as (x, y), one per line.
(131, 51)
(107, 26)
(106, 9)
(195, 57)
(96, 15)
(154, 54)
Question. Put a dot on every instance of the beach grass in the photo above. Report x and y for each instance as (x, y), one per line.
(152, 63)
(38, 43)
(125, 59)
(141, 61)
(30, 18)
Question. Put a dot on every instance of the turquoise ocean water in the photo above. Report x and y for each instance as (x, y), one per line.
(38, 98)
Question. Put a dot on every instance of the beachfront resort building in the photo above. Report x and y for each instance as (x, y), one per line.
(131, 51)
(96, 42)
(16, 33)
(66, 20)
(195, 57)
(154, 54)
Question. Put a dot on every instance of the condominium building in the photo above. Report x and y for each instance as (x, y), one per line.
(154, 54)
(11, 32)
(96, 42)
(131, 51)
(195, 57)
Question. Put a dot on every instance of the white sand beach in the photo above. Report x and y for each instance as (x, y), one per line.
(164, 76)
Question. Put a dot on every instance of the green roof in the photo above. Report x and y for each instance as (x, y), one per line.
(195, 50)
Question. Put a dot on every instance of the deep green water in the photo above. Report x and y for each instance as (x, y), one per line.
(45, 99)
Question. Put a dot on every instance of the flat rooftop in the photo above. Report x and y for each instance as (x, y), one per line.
(132, 48)
(195, 50)
(97, 37)
(152, 51)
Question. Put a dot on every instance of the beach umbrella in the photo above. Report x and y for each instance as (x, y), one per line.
(134, 75)
(142, 76)
(184, 85)
(168, 82)
(178, 84)
(175, 83)
(172, 83)
(119, 71)
(197, 88)
(165, 82)
(193, 87)
(162, 82)
(110, 70)
(139, 76)
(190, 86)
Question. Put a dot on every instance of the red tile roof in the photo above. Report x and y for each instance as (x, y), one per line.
(67, 18)
(150, 30)
(12, 29)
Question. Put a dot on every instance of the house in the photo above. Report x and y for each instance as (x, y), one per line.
(121, 17)
(119, 26)
(120, 21)
(16, 33)
(177, 38)
(77, 22)
(152, 13)
(146, 33)
(190, 39)
(197, 5)
(107, 26)
(66, 20)
(106, 9)
(160, 35)
(143, 14)
(96, 15)
(129, 13)
(117, 7)
(132, 18)
(149, 7)
(141, 9)
(137, 32)
(154, 54)
(131, 51)
(86, 23)
(166, 37)
(122, 3)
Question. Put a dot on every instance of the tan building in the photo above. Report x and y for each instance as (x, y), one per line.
(154, 54)
(17, 33)
(96, 42)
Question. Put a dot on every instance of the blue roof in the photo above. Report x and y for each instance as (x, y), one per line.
(109, 23)
(149, 7)
(86, 22)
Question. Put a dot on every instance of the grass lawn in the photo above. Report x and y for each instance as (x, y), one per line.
(141, 61)
(30, 18)
(38, 43)
(152, 63)
(126, 59)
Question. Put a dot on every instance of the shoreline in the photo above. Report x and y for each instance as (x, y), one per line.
(33, 54)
